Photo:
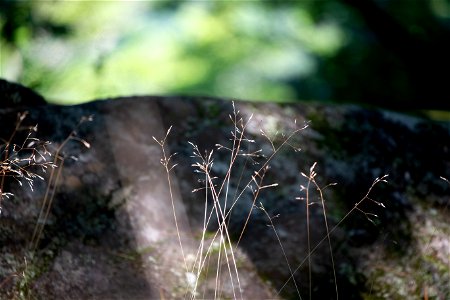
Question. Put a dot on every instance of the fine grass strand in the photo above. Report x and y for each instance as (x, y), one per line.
(165, 161)
(307, 202)
(50, 191)
(281, 246)
(311, 179)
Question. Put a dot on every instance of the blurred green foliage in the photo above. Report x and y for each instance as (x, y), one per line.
(76, 51)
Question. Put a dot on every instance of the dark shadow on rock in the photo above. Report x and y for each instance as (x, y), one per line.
(365, 144)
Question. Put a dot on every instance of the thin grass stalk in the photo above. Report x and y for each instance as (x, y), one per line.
(202, 241)
(165, 161)
(309, 241)
(53, 183)
(312, 175)
(48, 202)
(328, 237)
(221, 220)
(255, 196)
(282, 248)
(232, 159)
(175, 218)
(217, 286)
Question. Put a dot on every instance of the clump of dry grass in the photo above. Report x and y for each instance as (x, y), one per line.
(219, 204)
(25, 162)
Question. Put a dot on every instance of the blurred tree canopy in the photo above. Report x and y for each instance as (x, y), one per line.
(378, 52)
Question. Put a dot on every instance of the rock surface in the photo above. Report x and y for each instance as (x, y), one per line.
(110, 233)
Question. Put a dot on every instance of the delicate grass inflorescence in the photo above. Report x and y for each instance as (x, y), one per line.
(22, 161)
(25, 162)
(220, 201)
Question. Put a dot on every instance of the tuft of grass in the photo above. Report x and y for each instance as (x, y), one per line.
(219, 204)
(25, 162)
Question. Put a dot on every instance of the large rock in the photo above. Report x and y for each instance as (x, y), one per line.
(110, 232)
